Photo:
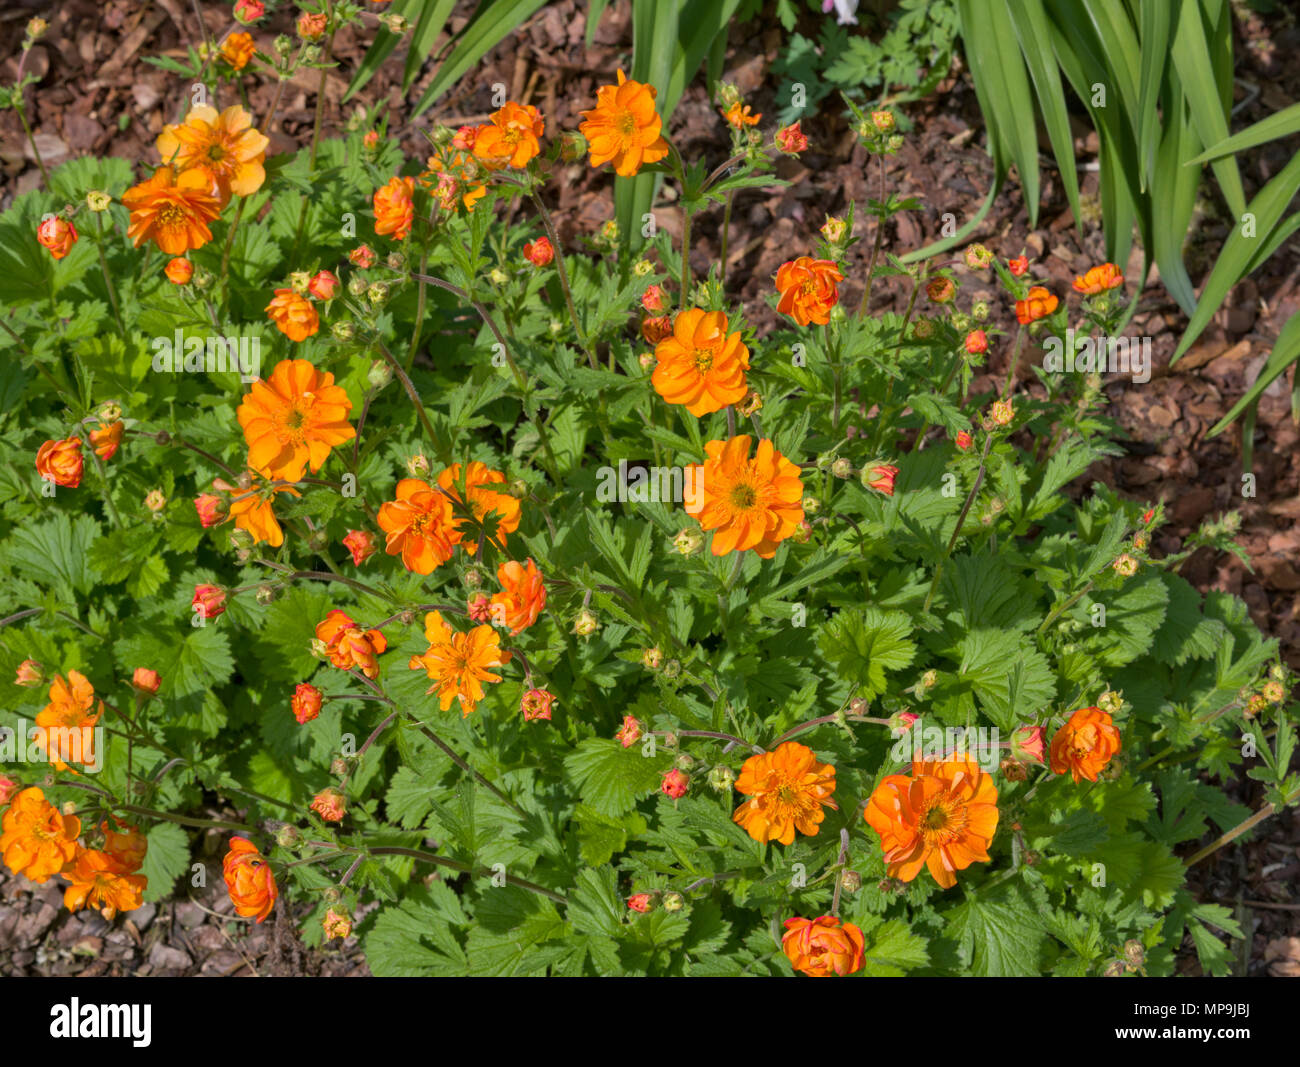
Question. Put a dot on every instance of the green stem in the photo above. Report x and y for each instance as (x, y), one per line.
(563, 274)
(108, 278)
(965, 509)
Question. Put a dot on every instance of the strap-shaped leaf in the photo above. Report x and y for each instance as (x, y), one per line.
(1173, 198)
(1034, 34)
(484, 32)
(1286, 351)
(1191, 54)
(1157, 21)
(1280, 124)
(1239, 250)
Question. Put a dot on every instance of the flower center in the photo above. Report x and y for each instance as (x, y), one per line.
(171, 215)
(703, 360)
(626, 124)
(216, 153)
(743, 497)
(943, 821)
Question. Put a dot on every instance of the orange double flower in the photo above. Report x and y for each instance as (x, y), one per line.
(459, 663)
(624, 128)
(1085, 744)
(701, 366)
(942, 816)
(749, 503)
(787, 790)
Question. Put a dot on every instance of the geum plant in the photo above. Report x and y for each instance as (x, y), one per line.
(769, 654)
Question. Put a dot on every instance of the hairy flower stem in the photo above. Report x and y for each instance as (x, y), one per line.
(821, 721)
(961, 519)
(875, 249)
(562, 273)
(323, 576)
(1015, 358)
(680, 168)
(726, 227)
(108, 278)
(840, 864)
(31, 139)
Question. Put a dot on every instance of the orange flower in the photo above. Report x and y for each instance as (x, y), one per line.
(293, 315)
(305, 703)
(1099, 279)
(822, 947)
(146, 681)
(1038, 304)
(253, 510)
(630, 732)
(394, 208)
(654, 328)
(881, 478)
(211, 509)
(209, 601)
(348, 646)
(791, 139)
(57, 234)
(99, 881)
(249, 880)
(172, 212)
(36, 840)
(809, 289)
(536, 704)
(539, 253)
(324, 285)
(330, 805)
(419, 526)
(787, 788)
(739, 116)
(942, 817)
(311, 25)
(67, 721)
(1019, 265)
(223, 146)
(751, 503)
(624, 127)
(1085, 744)
(30, 674)
(511, 139)
(106, 439)
(179, 270)
(361, 543)
(60, 462)
(237, 50)
(459, 663)
(126, 846)
(675, 784)
(701, 366)
(336, 924)
(522, 597)
(292, 420)
(484, 501)
(454, 177)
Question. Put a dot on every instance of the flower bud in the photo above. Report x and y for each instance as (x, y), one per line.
(652, 659)
(287, 836)
(684, 762)
(379, 374)
(672, 668)
(30, 674)
(672, 902)
(842, 468)
(357, 285)
(417, 465)
(1014, 770)
(688, 542)
(585, 623)
(850, 881)
(722, 778)
(98, 201)
(377, 293)
(338, 767)
(811, 505)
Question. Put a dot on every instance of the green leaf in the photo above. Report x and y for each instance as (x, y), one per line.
(610, 778)
(1286, 350)
(998, 935)
(165, 860)
(865, 643)
(1280, 124)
